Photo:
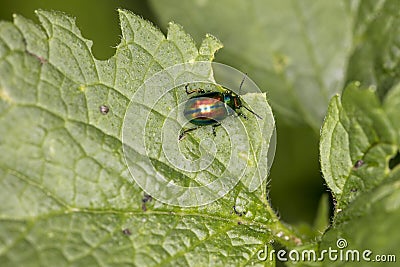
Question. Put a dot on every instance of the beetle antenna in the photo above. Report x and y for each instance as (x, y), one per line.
(240, 87)
(258, 116)
(241, 83)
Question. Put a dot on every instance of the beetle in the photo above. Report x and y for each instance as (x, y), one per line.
(210, 107)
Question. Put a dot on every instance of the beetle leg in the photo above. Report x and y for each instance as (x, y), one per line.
(183, 133)
(215, 126)
(193, 91)
(186, 89)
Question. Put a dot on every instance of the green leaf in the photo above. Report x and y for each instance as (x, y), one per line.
(369, 223)
(66, 193)
(295, 50)
(357, 141)
(375, 59)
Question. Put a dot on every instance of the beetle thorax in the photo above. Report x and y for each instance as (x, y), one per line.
(232, 100)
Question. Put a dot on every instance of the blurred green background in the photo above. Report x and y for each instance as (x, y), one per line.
(98, 20)
(296, 184)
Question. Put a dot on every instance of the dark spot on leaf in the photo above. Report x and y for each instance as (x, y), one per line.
(393, 162)
(358, 164)
(146, 198)
(126, 231)
(239, 223)
(353, 190)
(104, 109)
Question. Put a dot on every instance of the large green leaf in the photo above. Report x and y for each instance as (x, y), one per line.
(296, 51)
(65, 190)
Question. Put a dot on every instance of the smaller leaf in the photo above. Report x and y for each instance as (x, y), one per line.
(357, 141)
(359, 138)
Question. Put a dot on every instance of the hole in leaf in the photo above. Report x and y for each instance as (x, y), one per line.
(393, 162)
